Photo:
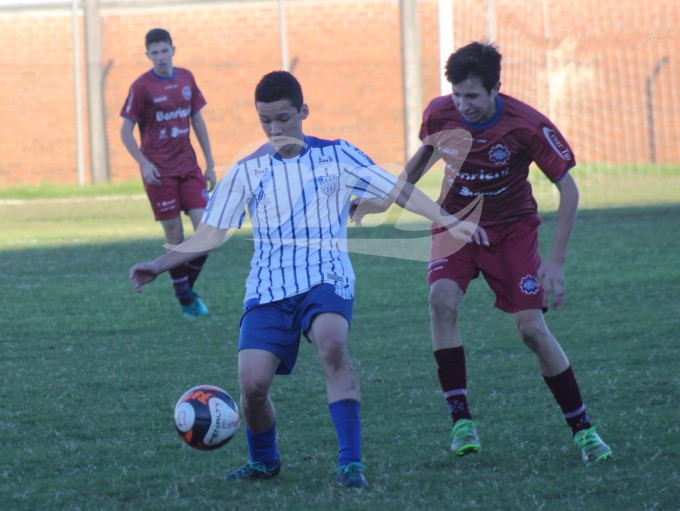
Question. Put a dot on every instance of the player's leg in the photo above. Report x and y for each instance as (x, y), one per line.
(193, 269)
(268, 344)
(328, 333)
(195, 266)
(446, 295)
(560, 379)
(193, 198)
(165, 203)
(174, 235)
(512, 274)
(256, 369)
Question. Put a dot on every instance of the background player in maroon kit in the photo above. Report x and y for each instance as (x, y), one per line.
(165, 103)
(487, 141)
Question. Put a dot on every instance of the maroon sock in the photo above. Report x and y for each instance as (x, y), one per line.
(453, 380)
(568, 397)
(180, 281)
(194, 268)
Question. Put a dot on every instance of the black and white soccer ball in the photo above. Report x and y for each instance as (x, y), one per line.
(206, 417)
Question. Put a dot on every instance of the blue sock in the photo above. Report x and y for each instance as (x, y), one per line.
(262, 446)
(346, 419)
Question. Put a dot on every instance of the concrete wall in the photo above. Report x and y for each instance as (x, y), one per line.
(584, 63)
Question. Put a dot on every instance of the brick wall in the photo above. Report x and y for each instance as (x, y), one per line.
(584, 63)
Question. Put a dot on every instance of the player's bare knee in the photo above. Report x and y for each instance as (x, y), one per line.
(533, 335)
(442, 304)
(254, 393)
(333, 354)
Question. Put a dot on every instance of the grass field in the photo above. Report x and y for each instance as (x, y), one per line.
(90, 372)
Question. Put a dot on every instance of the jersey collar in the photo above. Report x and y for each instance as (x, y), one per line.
(305, 148)
(490, 122)
(165, 78)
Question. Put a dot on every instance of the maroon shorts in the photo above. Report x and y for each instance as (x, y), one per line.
(177, 194)
(509, 264)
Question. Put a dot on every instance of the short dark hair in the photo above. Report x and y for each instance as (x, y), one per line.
(279, 85)
(480, 60)
(157, 35)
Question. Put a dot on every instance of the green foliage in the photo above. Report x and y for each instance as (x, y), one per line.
(90, 372)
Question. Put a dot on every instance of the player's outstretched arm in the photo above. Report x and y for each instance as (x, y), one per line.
(204, 240)
(412, 199)
(417, 165)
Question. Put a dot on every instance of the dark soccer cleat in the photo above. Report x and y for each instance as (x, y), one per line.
(254, 470)
(352, 475)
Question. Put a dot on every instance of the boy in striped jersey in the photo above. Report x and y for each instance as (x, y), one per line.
(297, 191)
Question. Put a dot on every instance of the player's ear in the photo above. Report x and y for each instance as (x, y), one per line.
(496, 88)
(304, 111)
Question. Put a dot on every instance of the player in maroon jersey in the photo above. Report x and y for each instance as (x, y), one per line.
(487, 141)
(165, 103)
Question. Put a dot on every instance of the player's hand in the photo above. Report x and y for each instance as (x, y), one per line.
(551, 277)
(469, 232)
(150, 174)
(210, 178)
(141, 274)
(359, 208)
(480, 237)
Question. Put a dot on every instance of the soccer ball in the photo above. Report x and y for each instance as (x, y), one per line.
(206, 417)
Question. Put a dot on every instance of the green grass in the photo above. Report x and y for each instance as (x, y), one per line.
(90, 372)
(51, 191)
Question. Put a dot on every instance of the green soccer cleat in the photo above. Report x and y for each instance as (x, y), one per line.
(592, 448)
(199, 306)
(464, 439)
(253, 470)
(352, 475)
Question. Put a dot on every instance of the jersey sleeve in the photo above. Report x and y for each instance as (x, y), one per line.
(424, 131)
(226, 207)
(365, 178)
(551, 152)
(134, 104)
(197, 99)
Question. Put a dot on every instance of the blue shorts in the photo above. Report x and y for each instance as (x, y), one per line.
(277, 326)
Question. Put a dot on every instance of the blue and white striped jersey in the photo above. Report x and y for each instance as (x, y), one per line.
(299, 210)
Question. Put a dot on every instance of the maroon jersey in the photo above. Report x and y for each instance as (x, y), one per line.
(162, 107)
(500, 152)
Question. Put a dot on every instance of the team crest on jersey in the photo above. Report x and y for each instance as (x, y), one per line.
(186, 93)
(529, 285)
(499, 154)
(327, 184)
